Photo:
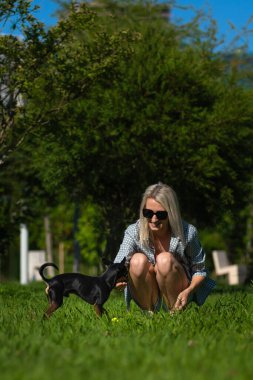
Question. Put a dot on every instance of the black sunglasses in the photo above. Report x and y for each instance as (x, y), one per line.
(161, 215)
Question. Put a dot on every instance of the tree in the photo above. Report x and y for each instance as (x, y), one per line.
(174, 112)
(19, 66)
(40, 70)
(45, 61)
(128, 101)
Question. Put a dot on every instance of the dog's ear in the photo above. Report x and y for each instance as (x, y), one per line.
(106, 261)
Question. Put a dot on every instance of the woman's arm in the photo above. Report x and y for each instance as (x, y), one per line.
(196, 259)
(183, 297)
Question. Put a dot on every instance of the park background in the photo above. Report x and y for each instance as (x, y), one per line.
(112, 97)
(94, 107)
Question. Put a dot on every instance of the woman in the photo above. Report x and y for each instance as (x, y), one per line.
(165, 258)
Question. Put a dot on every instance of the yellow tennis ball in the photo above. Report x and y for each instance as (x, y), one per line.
(114, 320)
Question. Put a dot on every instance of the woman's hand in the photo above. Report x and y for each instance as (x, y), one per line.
(183, 296)
(121, 285)
(182, 299)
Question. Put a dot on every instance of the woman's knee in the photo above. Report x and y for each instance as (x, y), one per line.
(165, 263)
(139, 264)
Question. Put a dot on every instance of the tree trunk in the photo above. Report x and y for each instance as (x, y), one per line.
(77, 255)
(49, 249)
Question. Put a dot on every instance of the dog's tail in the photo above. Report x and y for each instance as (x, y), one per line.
(41, 270)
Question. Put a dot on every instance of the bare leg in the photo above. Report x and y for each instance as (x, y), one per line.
(143, 284)
(171, 277)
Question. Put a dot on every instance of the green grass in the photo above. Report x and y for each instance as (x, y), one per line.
(211, 342)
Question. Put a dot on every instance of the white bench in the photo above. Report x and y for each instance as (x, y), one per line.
(236, 273)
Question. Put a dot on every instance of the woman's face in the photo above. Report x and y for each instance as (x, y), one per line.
(155, 224)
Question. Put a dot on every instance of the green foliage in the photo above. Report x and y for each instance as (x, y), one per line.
(41, 82)
(116, 99)
(215, 339)
(170, 114)
(91, 234)
(19, 66)
(211, 239)
(42, 66)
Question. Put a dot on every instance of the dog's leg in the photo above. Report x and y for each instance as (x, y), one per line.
(100, 310)
(55, 297)
(53, 306)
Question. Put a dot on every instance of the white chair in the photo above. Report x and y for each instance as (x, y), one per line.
(236, 273)
(35, 260)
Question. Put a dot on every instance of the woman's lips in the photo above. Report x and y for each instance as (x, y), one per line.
(156, 224)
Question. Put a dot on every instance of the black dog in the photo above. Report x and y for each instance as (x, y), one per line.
(94, 290)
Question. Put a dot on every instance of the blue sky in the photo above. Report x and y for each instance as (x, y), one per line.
(225, 12)
(232, 16)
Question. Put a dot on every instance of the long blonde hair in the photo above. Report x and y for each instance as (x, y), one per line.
(167, 198)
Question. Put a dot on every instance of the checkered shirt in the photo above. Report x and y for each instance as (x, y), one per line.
(191, 256)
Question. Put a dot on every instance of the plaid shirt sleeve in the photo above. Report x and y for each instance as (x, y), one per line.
(196, 259)
(128, 246)
(195, 253)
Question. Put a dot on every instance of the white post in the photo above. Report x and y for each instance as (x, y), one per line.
(23, 254)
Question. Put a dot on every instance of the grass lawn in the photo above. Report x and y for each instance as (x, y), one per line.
(211, 342)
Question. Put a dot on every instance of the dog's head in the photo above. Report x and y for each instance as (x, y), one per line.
(116, 272)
